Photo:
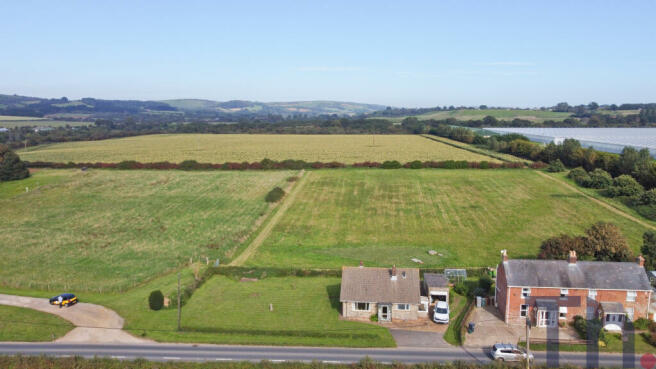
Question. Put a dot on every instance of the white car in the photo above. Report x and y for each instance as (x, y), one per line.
(441, 312)
(508, 352)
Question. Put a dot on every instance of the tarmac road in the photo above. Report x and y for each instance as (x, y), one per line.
(187, 352)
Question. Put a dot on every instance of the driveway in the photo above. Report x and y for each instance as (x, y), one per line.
(93, 323)
(489, 329)
(423, 339)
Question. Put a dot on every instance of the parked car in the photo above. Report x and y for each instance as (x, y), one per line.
(441, 312)
(65, 299)
(508, 352)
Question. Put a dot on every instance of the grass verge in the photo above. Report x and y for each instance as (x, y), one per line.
(27, 325)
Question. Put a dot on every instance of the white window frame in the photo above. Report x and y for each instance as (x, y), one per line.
(592, 294)
(631, 296)
(403, 307)
(355, 306)
(523, 310)
(562, 310)
(526, 292)
(564, 292)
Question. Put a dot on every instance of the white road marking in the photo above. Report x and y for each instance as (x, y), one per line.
(118, 357)
(170, 358)
(222, 359)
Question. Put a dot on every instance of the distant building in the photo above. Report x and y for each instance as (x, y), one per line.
(2, 129)
(550, 291)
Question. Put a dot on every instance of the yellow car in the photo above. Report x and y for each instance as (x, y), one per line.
(65, 299)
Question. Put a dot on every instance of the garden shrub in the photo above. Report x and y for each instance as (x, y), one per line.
(374, 318)
(641, 324)
(275, 195)
(156, 300)
(415, 164)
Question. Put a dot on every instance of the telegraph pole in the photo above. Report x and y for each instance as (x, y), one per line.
(179, 311)
(528, 342)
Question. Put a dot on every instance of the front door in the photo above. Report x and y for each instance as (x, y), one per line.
(384, 313)
(546, 318)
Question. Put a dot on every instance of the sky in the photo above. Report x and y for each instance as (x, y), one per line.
(397, 53)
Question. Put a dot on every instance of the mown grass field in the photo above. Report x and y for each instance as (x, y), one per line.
(27, 325)
(227, 311)
(385, 217)
(238, 148)
(500, 114)
(108, 230)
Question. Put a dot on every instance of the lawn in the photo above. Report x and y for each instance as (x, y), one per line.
(384, 217)
(500, 114)
(27, 325)
(238, 148)
(226, 311)
(110, 230)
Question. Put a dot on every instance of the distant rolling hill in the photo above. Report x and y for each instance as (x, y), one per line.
(90, 108)
(284, 108)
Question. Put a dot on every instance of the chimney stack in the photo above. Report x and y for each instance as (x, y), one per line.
(393, 272)
(504, 256)
(571, 259)
(640, 260)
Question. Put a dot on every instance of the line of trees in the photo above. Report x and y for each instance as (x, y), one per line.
(601, 242)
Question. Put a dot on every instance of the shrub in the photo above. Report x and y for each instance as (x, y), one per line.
(641, 324)
(374, 318)
(189, 165)
(11, 167)
(588, 329)
(559, 247)
(156, 300)
(391, 164)
(538, 165)
(606, 242)
(648, 197)
(625, 185)
(556, 166)
(128, 164)
(580, 176)
(599, 178)
(275, 195)
(415, 164)
(460, 288)
(485, 284)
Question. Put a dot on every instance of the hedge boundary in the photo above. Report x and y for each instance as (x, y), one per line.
(267, 164)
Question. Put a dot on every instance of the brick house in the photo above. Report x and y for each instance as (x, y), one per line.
(393, 294)
(551, 291)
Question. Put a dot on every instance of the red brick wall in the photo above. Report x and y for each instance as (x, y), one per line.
(577, 300)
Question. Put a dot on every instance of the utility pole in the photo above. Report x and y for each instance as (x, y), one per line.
(179, 311)
(528, 342)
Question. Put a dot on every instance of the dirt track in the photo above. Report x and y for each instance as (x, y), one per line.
(93, 323)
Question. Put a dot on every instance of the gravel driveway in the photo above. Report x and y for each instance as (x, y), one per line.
(94, 323)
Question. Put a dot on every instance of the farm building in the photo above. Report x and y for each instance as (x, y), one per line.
(392, 293)
(551, 291)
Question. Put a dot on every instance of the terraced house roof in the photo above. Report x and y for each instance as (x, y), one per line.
(360, 284)
(581, 274)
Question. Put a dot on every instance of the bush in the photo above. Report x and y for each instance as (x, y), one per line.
(461, 289)
(189, 165)
(128, 164)
(391, 164)
(556, 166)
(275, 195)
(648, 197)
(374, 318)
(594, 327)
(11, 167)
(156, 300)
(599, 178)
(485, 284)
(625, 185)
(415, 164)
(641, 324)
(580, 176)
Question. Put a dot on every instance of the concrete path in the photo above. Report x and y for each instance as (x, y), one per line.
(419, 339)
(94, 323)
(489, 329)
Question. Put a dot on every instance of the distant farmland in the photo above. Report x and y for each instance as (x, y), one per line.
(382, 218)
(113, 229)
(500, 114)
(241, 147)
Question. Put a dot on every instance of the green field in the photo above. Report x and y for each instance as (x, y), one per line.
(15, 117)
(500, 114)
(39, 122)
(108, 230)
(388, 217)
(238, 148)
(27, 325)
